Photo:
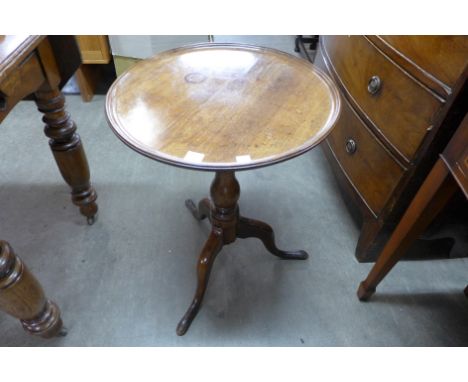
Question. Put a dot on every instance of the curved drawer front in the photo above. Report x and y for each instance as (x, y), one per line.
(397, 106)
(369, 167)
(444, 57)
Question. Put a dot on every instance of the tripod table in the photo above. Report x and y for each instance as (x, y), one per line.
(223, 108)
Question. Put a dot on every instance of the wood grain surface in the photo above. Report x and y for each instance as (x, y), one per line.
(222, 106)
(399, 127)
(400, 102)
(14, 48)
(444, 57)
(372, 170)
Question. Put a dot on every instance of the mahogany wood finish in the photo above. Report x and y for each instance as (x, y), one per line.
(218, 107)
(223, 107)
(449, 172)
(37, 67)
(455, 156)
(434, 193)
(441, 58)
(33, 65)
(22, 296)
(67, 150)
(366, 162)
(403, 100)
(355, 60)
(226, 226)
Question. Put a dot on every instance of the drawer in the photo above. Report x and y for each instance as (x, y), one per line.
(25, 79)
(367, 164)
(443, 57)
(399, 108)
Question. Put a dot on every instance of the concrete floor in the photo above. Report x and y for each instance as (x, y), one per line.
(129, 278)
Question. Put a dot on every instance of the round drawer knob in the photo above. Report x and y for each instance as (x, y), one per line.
(374, 85)
(351, 146)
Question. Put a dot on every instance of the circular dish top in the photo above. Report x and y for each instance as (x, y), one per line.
(222, 106)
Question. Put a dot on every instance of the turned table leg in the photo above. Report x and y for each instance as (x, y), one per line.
(68, 150)
(22, 296)
(226, 226)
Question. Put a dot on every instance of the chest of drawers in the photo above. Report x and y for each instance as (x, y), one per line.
(403, 97)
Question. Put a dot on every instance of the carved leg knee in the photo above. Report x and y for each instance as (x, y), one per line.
(254, 228)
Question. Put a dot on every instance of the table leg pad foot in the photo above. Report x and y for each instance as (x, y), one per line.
(203, 211)
(254, 228)
(185, 322)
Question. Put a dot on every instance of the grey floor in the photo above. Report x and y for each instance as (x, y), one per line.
(128, 279)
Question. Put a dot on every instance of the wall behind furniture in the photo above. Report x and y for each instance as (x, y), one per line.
(129, 49)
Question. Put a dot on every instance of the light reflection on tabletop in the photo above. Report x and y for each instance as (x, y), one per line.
(213, 106)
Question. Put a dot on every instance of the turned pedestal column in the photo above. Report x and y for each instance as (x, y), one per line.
(223, 108)
(226, 226)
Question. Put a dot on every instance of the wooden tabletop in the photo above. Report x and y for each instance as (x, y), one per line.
(222, 106)
(13, 49)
